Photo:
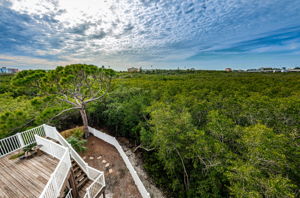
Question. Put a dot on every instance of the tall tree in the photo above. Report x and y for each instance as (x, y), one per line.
(75, 85)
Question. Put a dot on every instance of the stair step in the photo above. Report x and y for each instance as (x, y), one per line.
(74, 163)
(82, 191)
(76, 168)
(79, 173)
(82, 183)
(80, 178)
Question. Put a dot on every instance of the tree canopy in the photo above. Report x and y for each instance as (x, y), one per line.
(74, 85)
(200, 133)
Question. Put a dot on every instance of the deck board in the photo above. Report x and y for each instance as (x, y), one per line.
(25, 178)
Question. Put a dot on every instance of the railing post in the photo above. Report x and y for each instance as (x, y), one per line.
(45, 129)
(89, 192)
(20, 140)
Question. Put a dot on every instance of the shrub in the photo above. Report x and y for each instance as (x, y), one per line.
(77, 132)
(77, 143)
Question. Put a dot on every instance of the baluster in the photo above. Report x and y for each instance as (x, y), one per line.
(20, 140)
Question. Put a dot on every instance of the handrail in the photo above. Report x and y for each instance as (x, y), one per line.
(69, 194)
(61, 152)
(58, 137)
(57, 178)
(92, 173)
(20, 140)
(95, 188)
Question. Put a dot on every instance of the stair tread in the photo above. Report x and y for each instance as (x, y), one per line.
(83, 189)
(76, 169)
(78, 174)
(81, 177)
(82, 183)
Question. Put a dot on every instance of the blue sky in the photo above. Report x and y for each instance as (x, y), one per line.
(203, 34)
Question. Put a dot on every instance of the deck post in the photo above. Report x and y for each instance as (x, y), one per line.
(20, 140)
(73, 184)
(104, 192)
(45, 130)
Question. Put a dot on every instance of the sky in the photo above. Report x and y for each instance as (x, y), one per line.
(165, 34)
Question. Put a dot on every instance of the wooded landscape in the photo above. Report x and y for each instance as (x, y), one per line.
(201, 133)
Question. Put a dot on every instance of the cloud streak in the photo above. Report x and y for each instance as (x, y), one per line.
(122, 33)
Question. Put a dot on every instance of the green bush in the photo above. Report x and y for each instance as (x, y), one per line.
(77, 143)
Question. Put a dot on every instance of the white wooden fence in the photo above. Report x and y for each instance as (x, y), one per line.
(20, 140)
(63, 153)
(112, 140)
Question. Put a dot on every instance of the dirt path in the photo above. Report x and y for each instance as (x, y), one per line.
(103, 156)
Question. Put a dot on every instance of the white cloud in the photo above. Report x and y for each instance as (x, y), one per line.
(143, 31)
(24, 62)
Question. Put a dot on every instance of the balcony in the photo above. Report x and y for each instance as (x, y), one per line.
(58, 172)
(25, 178)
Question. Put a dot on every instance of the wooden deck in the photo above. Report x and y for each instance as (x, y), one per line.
(25, 178)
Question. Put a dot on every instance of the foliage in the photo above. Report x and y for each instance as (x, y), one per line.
(77, 143)
(77, 132)
(29, 147)
(73, 86)
(201, 133)
(5, 83)
(237, 134)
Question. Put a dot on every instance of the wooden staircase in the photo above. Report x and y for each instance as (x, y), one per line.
(82, 192)
(82, 182)
(80, 176)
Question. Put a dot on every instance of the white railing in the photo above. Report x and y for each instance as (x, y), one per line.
(98, 183)
(50, 147)
(20, 140)
(54, 134)
(58, 177)
(112, 140)
(61, 152)
(95, 188)
(69, 194)
(93, 174)
(28, 136)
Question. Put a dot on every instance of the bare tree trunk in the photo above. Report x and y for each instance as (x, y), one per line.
(85, 122)
(185, 175)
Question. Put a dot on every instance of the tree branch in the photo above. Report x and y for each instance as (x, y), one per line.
(63, 112)
(97, 98)
(67, 101)
(141, 147)
(186, 176)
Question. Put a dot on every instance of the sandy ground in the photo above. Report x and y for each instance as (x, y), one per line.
(119, 183)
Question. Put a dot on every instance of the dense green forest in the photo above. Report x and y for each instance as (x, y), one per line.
(201, 133)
